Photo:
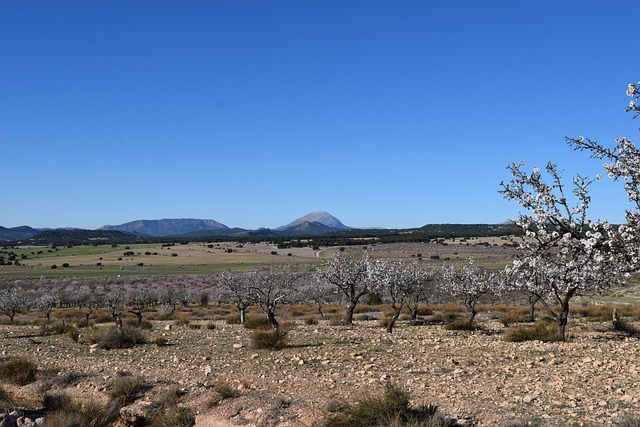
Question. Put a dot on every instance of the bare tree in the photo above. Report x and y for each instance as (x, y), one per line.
(235, 287)
(424, 288)
(115, 302)
(137, 299)
(315, 291)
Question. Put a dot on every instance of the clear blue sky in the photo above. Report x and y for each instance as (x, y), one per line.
(254, 113)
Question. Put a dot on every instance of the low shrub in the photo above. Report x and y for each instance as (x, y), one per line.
(525, 423)
(19, 371)
(160, 341)
(57, 401)
(256, 321)
(628, 421)
(6, 404)
(124, 337)
(269, 338)
(461, 325)
(424, 311)
(87, 414)
(126, 390)
(73, 333)
(336, 321)
(182, 322)
(624, 326)
(174, 416)
(165, 412)
(544, 332)
(389, 408)
(211, 326)
(222, 391)
(232, 319)
(103, 318)
(310, 320)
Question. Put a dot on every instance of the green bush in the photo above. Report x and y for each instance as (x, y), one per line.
(373, 298)
(19, 371)
(160, 341)
(539, 332)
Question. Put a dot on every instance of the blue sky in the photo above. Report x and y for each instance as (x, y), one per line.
(254, 113)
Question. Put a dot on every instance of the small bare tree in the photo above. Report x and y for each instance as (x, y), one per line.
(236, 287)
(137, 299)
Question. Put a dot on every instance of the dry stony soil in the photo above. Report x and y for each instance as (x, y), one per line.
(475, 377)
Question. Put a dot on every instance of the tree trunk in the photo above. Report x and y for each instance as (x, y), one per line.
(562, 321)
(414, 313)
(348, 317)
(118, 320)
(242, 314)
(392, 320)
(320, 310)
(533, 300)
(472, 316)
(272, 320)
(138, 316)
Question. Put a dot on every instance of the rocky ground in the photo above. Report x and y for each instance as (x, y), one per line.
(475, 377)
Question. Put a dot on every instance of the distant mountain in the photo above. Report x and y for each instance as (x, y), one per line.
(320, 217)
(17, 233)
(307, 228)
(168, 227)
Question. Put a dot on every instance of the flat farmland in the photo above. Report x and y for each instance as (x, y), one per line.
(192, 258)
(205, 258)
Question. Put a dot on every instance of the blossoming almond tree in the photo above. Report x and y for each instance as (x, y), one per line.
(396, 281)
(564, 252)
(468, 284)
(623, 163)
(351, 276)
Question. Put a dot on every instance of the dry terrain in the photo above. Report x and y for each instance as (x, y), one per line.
(475, 377)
